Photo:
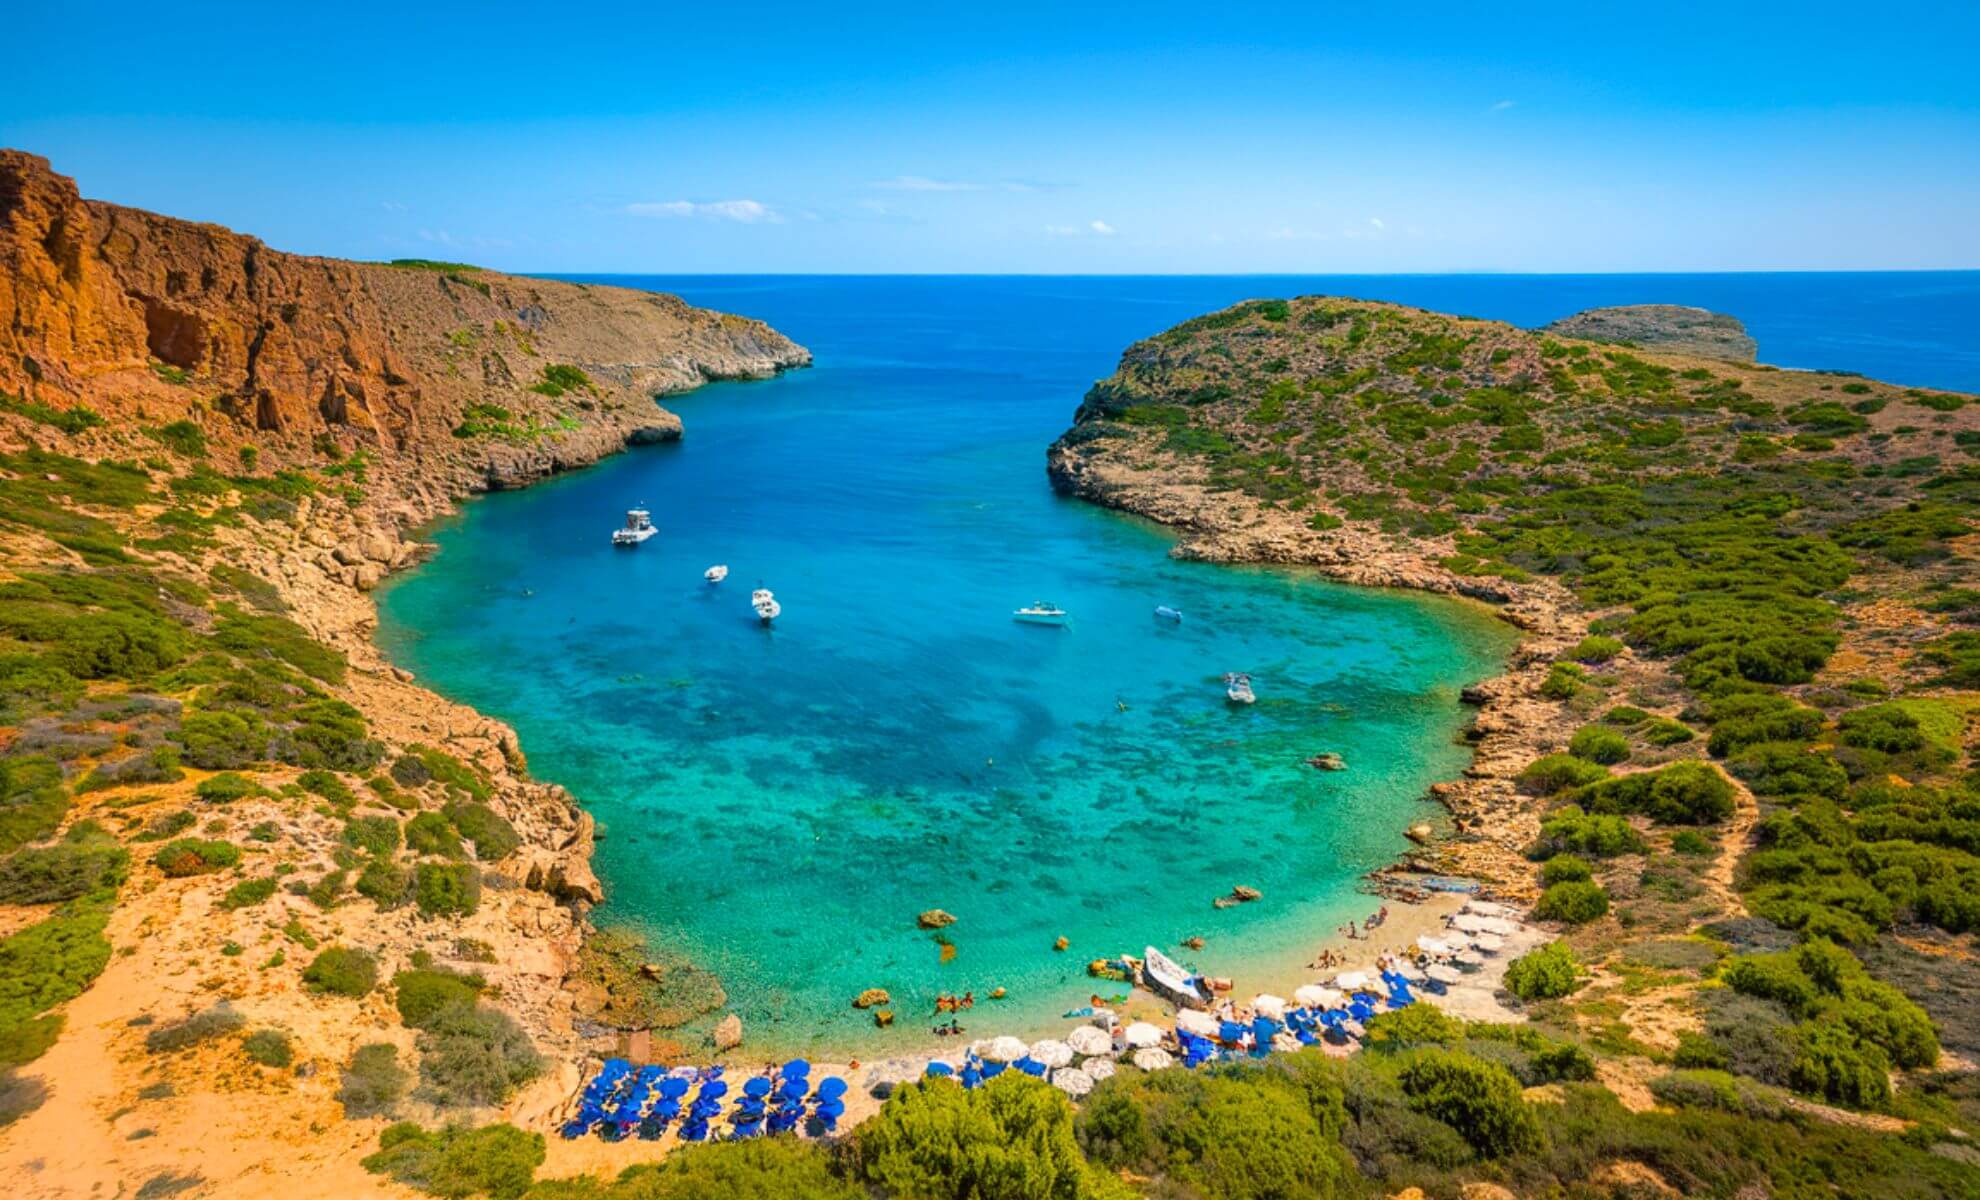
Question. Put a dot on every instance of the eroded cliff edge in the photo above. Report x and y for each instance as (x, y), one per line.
(209, 450)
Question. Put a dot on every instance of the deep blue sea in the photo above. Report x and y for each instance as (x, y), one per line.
(780, 804)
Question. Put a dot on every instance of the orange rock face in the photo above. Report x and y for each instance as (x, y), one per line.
(162, 319)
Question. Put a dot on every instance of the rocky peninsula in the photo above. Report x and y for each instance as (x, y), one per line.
(209, 451)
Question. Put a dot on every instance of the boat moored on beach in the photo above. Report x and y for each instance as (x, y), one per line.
(1040, 612)
(1237, 689)
(1167, 979)
(638, 527)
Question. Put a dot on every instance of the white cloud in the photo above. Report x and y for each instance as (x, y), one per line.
(1503, 105)
(922, 183)
(1091, 228)
(744, 212)
(1376, 223)
(1101, 228)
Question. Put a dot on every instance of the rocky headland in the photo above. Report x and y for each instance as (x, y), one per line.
(210, 450)
(1670, 328)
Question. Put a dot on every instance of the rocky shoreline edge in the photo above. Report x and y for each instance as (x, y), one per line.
(1491, 822)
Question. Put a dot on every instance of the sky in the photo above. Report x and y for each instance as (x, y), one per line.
(1150, 138)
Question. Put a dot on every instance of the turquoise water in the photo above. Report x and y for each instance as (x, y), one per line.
(780, 804)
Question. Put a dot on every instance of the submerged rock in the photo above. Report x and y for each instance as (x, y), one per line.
(872, 997)
(728, 1032)
(1062, 943)
(935, 918)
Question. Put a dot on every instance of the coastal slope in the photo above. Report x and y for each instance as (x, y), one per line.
(260, 891)
(1742, 718)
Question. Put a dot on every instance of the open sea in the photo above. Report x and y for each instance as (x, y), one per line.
(780, 804)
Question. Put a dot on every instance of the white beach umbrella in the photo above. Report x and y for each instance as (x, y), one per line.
(1072, 1081)
(1469, 922)
(1267, 1005)
(1490, 943)
(1470, 960)
(1286, 1043)
(1351, 981)
(1442, 973)
(1152, 1059)
(1098, 1068)
(1430, 945)
(1312, 995)
(1002, 1049)
(1487, 908)
(1497, 925)
(1087, 1039)
(1053, 1052)
(1196, 1021)
(1142, 1034)
(1408, 970)
(1326, 997)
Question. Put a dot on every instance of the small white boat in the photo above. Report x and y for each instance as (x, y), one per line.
(765, 604)
(716, 573)
(638, 527)
(1166, 978)
(1039, 612)
(1237, 689)
(1168, 614)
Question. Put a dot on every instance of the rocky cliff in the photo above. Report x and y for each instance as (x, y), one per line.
(153, 318)
(1671, 328)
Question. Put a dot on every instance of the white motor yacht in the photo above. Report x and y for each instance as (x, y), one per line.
(765, 604)
(1237, 689)
(638, 527)
(716, 573)
(1039, 612)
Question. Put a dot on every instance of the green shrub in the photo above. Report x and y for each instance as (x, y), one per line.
(41, 966)
(1570, 830)
(32, 800)
(373, 1082)
(1599, 745)
(248, 892)
(757, 1169)
(195, 856)
(1547, 973)
(432, 834)
(384, 883)
(1563, 682)
(1565, 868)
(1011, 1139)
(447, 889)
(493, 837)
(1691, 842)
(1695, 1050)
(269, 1048)
(494, 1160)
(215, 741)
(1683, 793)
(227, 787)
(86, 861)
(1596, 649)
(1235, 1133)
(422, 994)
(204, 1026)
(1576, 903)
(327, 785)
(1785, 769)
(1479, 1100)
(342, 971)
(373, 835)
(1416, 1024)
(473, 1057)
(1553, 773)
(1832, 1063)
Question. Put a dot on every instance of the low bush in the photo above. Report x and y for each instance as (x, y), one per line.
(227, 787)
(269, 1048)
(218, 1021)
(473, 1057)
(1010, 1139)
(1596, 648)
(342, 971)
(373, 835)
(248, 892)
(422, 994)
(1599, 745)
(1547, 973)
(1565, 868)
(499, 1161)
(447, 889)
(373, 1082)
(493, 837)
(757, 1169)
(1575, 902)
(1552, 773)
(431, 833)
(1569, 830)
(195, 856)
(1683, 793)
(1481, 1101)
(86, 861)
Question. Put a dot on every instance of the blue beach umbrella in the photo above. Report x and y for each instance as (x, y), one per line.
(992, 1070)
(796, 1066)
(1029, 1065)
(714, 1089)
(758, 1086)
(936, 1070)
(831, 1088)
(831, 1109)
(673, 1087)
(971, 1077)
(694, 1131)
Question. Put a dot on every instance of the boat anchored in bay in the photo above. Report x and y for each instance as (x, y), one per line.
(716, 573)
(1039, 612)
(638, 527)
(765, 604)
(1237, 689)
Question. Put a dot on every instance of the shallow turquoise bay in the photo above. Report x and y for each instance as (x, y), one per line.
(780, 804)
